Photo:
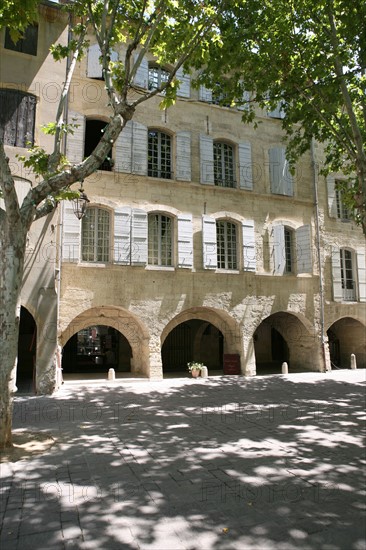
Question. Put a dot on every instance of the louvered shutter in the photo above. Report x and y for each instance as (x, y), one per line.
(139, 148)
(246, 102)
(249, 250)
(279, 249)
(75, 141)
(303, 249)
(277, 111)
(9, 101)
(141, 77)
(332, 197)
(25, 121)
(209, 242)
(71, 234)
(183, 160)
(122, 236)
(123, 150)
(184, 89)
(245, 166)
(361, 269)
(139, 237)
(185, 241)
(205, 94)
(280, 176)
(336, 275)
(206, 160)
(94, 66)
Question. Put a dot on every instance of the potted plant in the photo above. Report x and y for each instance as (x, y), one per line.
(195, 368)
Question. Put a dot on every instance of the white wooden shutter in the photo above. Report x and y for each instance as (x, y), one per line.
(280, 176)
(303, 249)
(209, 242)
(332, 197)
(277, 112)
(141, 77)
(184, 89)
(183, 160)
(246, 101)
(71, 234)
(139, 149)
(336, 275)
(205, 94)
(206, 159)
(185, 241)
(94, 67)
(249, 251)
(123, 150)
(279, 249)
(361, 268)
(75, 142)
(139, 237)
(122, 235)
(245, 166)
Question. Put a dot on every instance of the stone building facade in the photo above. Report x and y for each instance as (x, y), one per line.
(201, 245)
(198, 243)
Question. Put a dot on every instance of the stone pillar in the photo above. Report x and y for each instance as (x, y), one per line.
(156, 365)
(46, 361)
(247, 354)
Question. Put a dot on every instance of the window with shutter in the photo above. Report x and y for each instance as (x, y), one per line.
(183, 158)
(94, 66)
(303, 250)
(209, 242)
(184, 89)
(332, 201)
(185, 241)
(249, 248)
(95, 235)
(226, 239)
(75, 141)
(26, 44)
(160, 231)
(159, 155)
(206, 160)
(348, 281)
(361, 270)
(71, 234)
(17, 118)
(157, 76)
(224, 165)
(245, 166)
(141, 77)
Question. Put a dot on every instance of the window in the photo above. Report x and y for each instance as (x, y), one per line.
(26, 44)
(289, 250)
(347, 275)
(160, 240)
(157, 76)
(224, 167)
(17, 118)
(159, 155)
(280, 176)
(226, 245)
(343, 213)
(95, 235)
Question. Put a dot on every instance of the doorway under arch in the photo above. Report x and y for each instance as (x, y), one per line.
(347, 336)
(27, 352)
(96, 349)
(192, 340)
(283, 337)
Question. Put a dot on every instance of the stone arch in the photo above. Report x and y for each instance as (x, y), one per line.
(346, 335)
(125, 322)
(217, 317)
(289, 337)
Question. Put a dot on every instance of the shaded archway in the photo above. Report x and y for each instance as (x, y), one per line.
(193, 340)
(27, 348)
(347, 336)
(285, 337)
(96, 349)
(133, 339)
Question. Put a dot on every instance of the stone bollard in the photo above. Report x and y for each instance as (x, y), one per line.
(353, 361)
(204, 372)
(284, 368)
(111, 374)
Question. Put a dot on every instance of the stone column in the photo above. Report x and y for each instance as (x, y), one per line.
(46, 341)
(156, 365)
(248, 364)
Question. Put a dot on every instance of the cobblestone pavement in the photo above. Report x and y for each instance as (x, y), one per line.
(274, 462)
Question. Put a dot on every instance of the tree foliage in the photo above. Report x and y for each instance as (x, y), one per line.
(311, 57)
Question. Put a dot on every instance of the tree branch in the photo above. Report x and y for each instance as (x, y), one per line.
(8, 189)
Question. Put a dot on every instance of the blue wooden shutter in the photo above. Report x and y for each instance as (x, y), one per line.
(249, 249)
(303, 250)
(185, 241)
(205, 94)
(336, 274)
(75, 141)
(139, 237)
(139, 148)
(183, 159)
(71, 234)
(332, 197)
(206, 159)
(361, 269)
(279, 249)
(184, 89)
(245, 166)
(209, 242)
(141, 77)
(123, 150)
(122, 235)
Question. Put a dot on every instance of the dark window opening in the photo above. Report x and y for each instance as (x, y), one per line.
(159, 155)
(93, 133)
(26, 44)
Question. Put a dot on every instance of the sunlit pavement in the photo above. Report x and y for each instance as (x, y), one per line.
(275, 462)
